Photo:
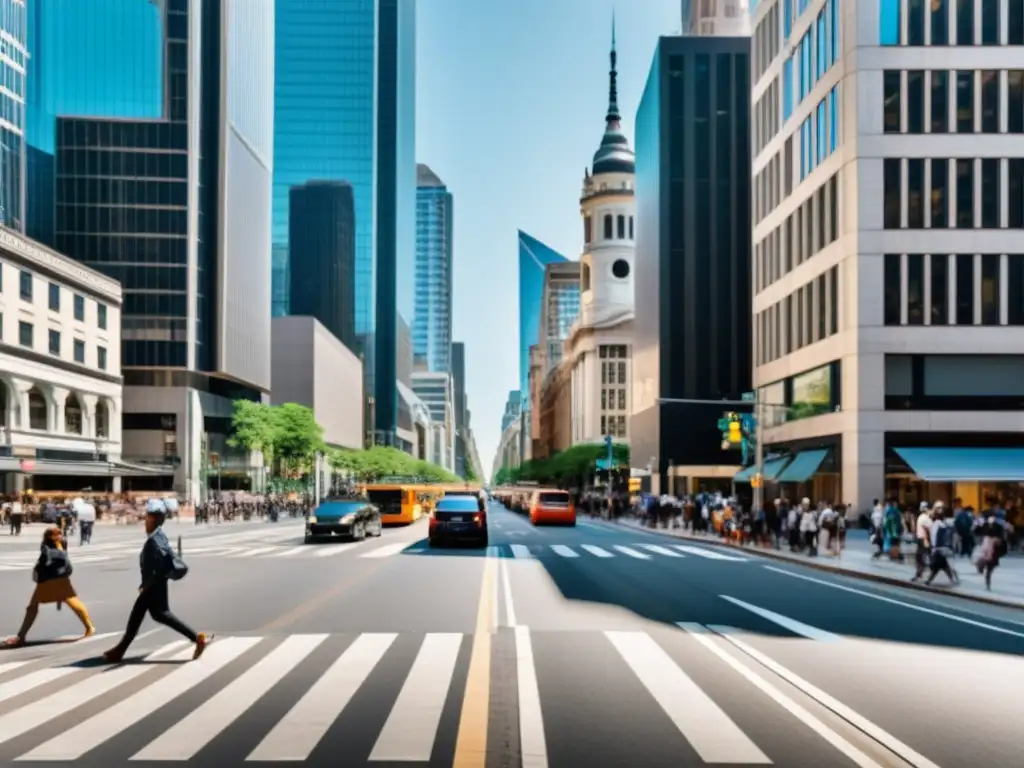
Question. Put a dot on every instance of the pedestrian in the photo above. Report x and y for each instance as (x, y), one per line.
(86, 514)
(52, 574)
(923, 539)
(941, 546)
(159, 565)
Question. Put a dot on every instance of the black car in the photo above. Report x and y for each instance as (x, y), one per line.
(459, 519)
(353, 519)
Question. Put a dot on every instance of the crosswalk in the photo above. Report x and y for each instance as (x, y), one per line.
(385, 697)
(632, 551)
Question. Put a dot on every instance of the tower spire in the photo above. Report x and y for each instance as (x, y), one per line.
(613, 116)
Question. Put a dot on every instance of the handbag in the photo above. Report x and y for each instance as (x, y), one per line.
(177, 569)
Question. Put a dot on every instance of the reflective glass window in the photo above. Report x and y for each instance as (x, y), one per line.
(915, 22)
(1015, 101)
(891, 289)
(990, 22)
(940, 193)
(940, 102)
(965, 22)
(915, 193)
(940, 21)
(990, 197)
(965, 102)
(915, 101)
(965, 194)
(892, 192)
(990, 101)
(940, 289)
(888, 22)
(891, 104)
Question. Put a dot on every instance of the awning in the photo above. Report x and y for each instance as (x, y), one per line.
(771, 469)
(803, 467)
(83, 468)
(947, 465)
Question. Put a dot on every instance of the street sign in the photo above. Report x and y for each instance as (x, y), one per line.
(748, 397)
(604, 464)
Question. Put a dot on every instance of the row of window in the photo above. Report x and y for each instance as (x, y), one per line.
(812, 57)
(766, 116)
(613, 351)
(905, 95)
(613, 373)
(615, 228)
(811, 227)
(773, 183)
(808, 315)
(953, 193)
(950, 22)
(615, 426)
(121, 162)
(26, 291)
(765, 40)
(26, 338)
(819, 133)
(613, 399)
(957, 289)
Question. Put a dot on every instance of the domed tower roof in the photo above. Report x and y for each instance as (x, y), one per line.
(614, 155)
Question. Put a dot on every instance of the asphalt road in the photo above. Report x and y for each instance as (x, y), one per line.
(592, 646)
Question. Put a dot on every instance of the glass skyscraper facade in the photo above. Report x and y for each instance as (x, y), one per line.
(102, 58)
(13, 63)
(345, 111)
(432, 323)
(534, 256)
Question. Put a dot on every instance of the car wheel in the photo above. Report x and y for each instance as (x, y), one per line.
(308, 539)
(379, 530)
(358, 532)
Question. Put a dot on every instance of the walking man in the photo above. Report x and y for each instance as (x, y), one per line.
(158, 565)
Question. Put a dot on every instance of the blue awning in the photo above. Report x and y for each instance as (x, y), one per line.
(803, 467)
(947, 465)
(772, 468)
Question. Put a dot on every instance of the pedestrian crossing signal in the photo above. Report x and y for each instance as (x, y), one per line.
(634, 484)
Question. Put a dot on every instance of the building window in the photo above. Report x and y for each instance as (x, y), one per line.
(80, 351)
(915, 22)
(915, 289)
(964, 194)
(940, 102)
(586, 230)
(604, 425)
(25, 334)
(25, 286)
(1015, 193)
(965, 289)
(604, 399)
(54, 297)
(939, 193)
(101, 358)
(632, 235)
(915, 193)
(940, 23)
(37, 410)
(1015, 101)
(79, 308)
(915, 101)
(585, 277)
(892, 193)
(892, 288)
(965, 102)
(990, 289)
(1015, 289)
(940, 289)
(607, 226)
(620, 227)
(990, 101)
(990, 187)
(55, 343)
(622, 373)
(621, 421)
(622, 399)
(833, 302)
(102, 420)
(889, 22)
(990, 22)
(891, 102)
(1015, 24)
(101, 316)
(72, 415)
(965, 22)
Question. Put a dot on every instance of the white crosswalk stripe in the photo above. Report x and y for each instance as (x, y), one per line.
(596, 551)
(710, 554)
(564, 551)
(660, 550)
(237, 681)
(632, 552)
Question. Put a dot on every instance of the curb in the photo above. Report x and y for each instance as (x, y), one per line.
(819, 566)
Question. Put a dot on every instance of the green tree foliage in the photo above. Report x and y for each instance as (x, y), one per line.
(298, 436)
(503, 476)
(470, 475)
(569, 467)
(378, 462)
(253, 428)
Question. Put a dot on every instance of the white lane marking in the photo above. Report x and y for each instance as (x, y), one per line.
(493, 551)
(901, 603)
(856, 720)
(24, 719)
(533, 745)
(710, 731)
(388, 550)
(708, 553)
(186, 737)
(660, 550)
(411, 728)
(295, 551)
(632, 552)
(10, 666)
(330, 550)
(596, 551)
(794, 626)
(255, 552)
(698, 633)
(520, 550)
(90, 733)
(77, 640)
(32, 680)
(506, 586)
(564, 551)
(296, 735)
(92, 559)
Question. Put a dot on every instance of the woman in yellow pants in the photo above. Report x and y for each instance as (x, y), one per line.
(52, 574)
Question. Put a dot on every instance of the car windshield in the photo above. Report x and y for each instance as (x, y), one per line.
(555, 499)
(340, 506)
(458, 504)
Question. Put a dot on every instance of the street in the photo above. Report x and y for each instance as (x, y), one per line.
(598, 645)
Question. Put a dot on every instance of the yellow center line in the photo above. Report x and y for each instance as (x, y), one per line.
(471, 744)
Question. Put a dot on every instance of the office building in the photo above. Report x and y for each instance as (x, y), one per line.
(322, 235)
(461, 405)
(513, 407)
(559, 308)
(534, 256)
(598, 347)
(888, 259)
(13, 63)
(716, 18)
(345, 110)
(432, 323)
(692, 279)
(435, 390)
(178, 210)
(101, 58)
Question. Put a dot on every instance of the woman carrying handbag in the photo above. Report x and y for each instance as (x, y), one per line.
(52, 574)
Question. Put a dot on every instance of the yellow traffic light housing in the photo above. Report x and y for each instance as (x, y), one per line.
(735, 434)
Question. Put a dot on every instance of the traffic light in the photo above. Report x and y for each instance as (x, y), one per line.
(735, 430)
(634, 484)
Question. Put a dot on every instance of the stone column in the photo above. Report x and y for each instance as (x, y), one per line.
(19, 395)
(88, 405)
(58, 397)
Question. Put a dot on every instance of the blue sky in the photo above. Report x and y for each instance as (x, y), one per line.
(511, 98)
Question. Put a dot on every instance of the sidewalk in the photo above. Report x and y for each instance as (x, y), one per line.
(856, 561)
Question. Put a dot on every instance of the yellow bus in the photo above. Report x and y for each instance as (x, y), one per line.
(399, 504)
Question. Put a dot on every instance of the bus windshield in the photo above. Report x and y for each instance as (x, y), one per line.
(389, 502)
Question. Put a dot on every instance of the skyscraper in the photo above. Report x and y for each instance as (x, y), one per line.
(724, 18)
(345, 110)
(13, 62)
(432, 323)
(322, 232)
(534, 256)
(178, 209)
(458, 362)
(103, 58)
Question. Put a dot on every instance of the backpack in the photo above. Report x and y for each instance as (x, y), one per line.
(944, 537)
(177, 569)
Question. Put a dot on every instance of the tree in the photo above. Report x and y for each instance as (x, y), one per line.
(298, 436)
(253, 428)
(469, 475)
(568, 468)
(379, 461)
(502, 476)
